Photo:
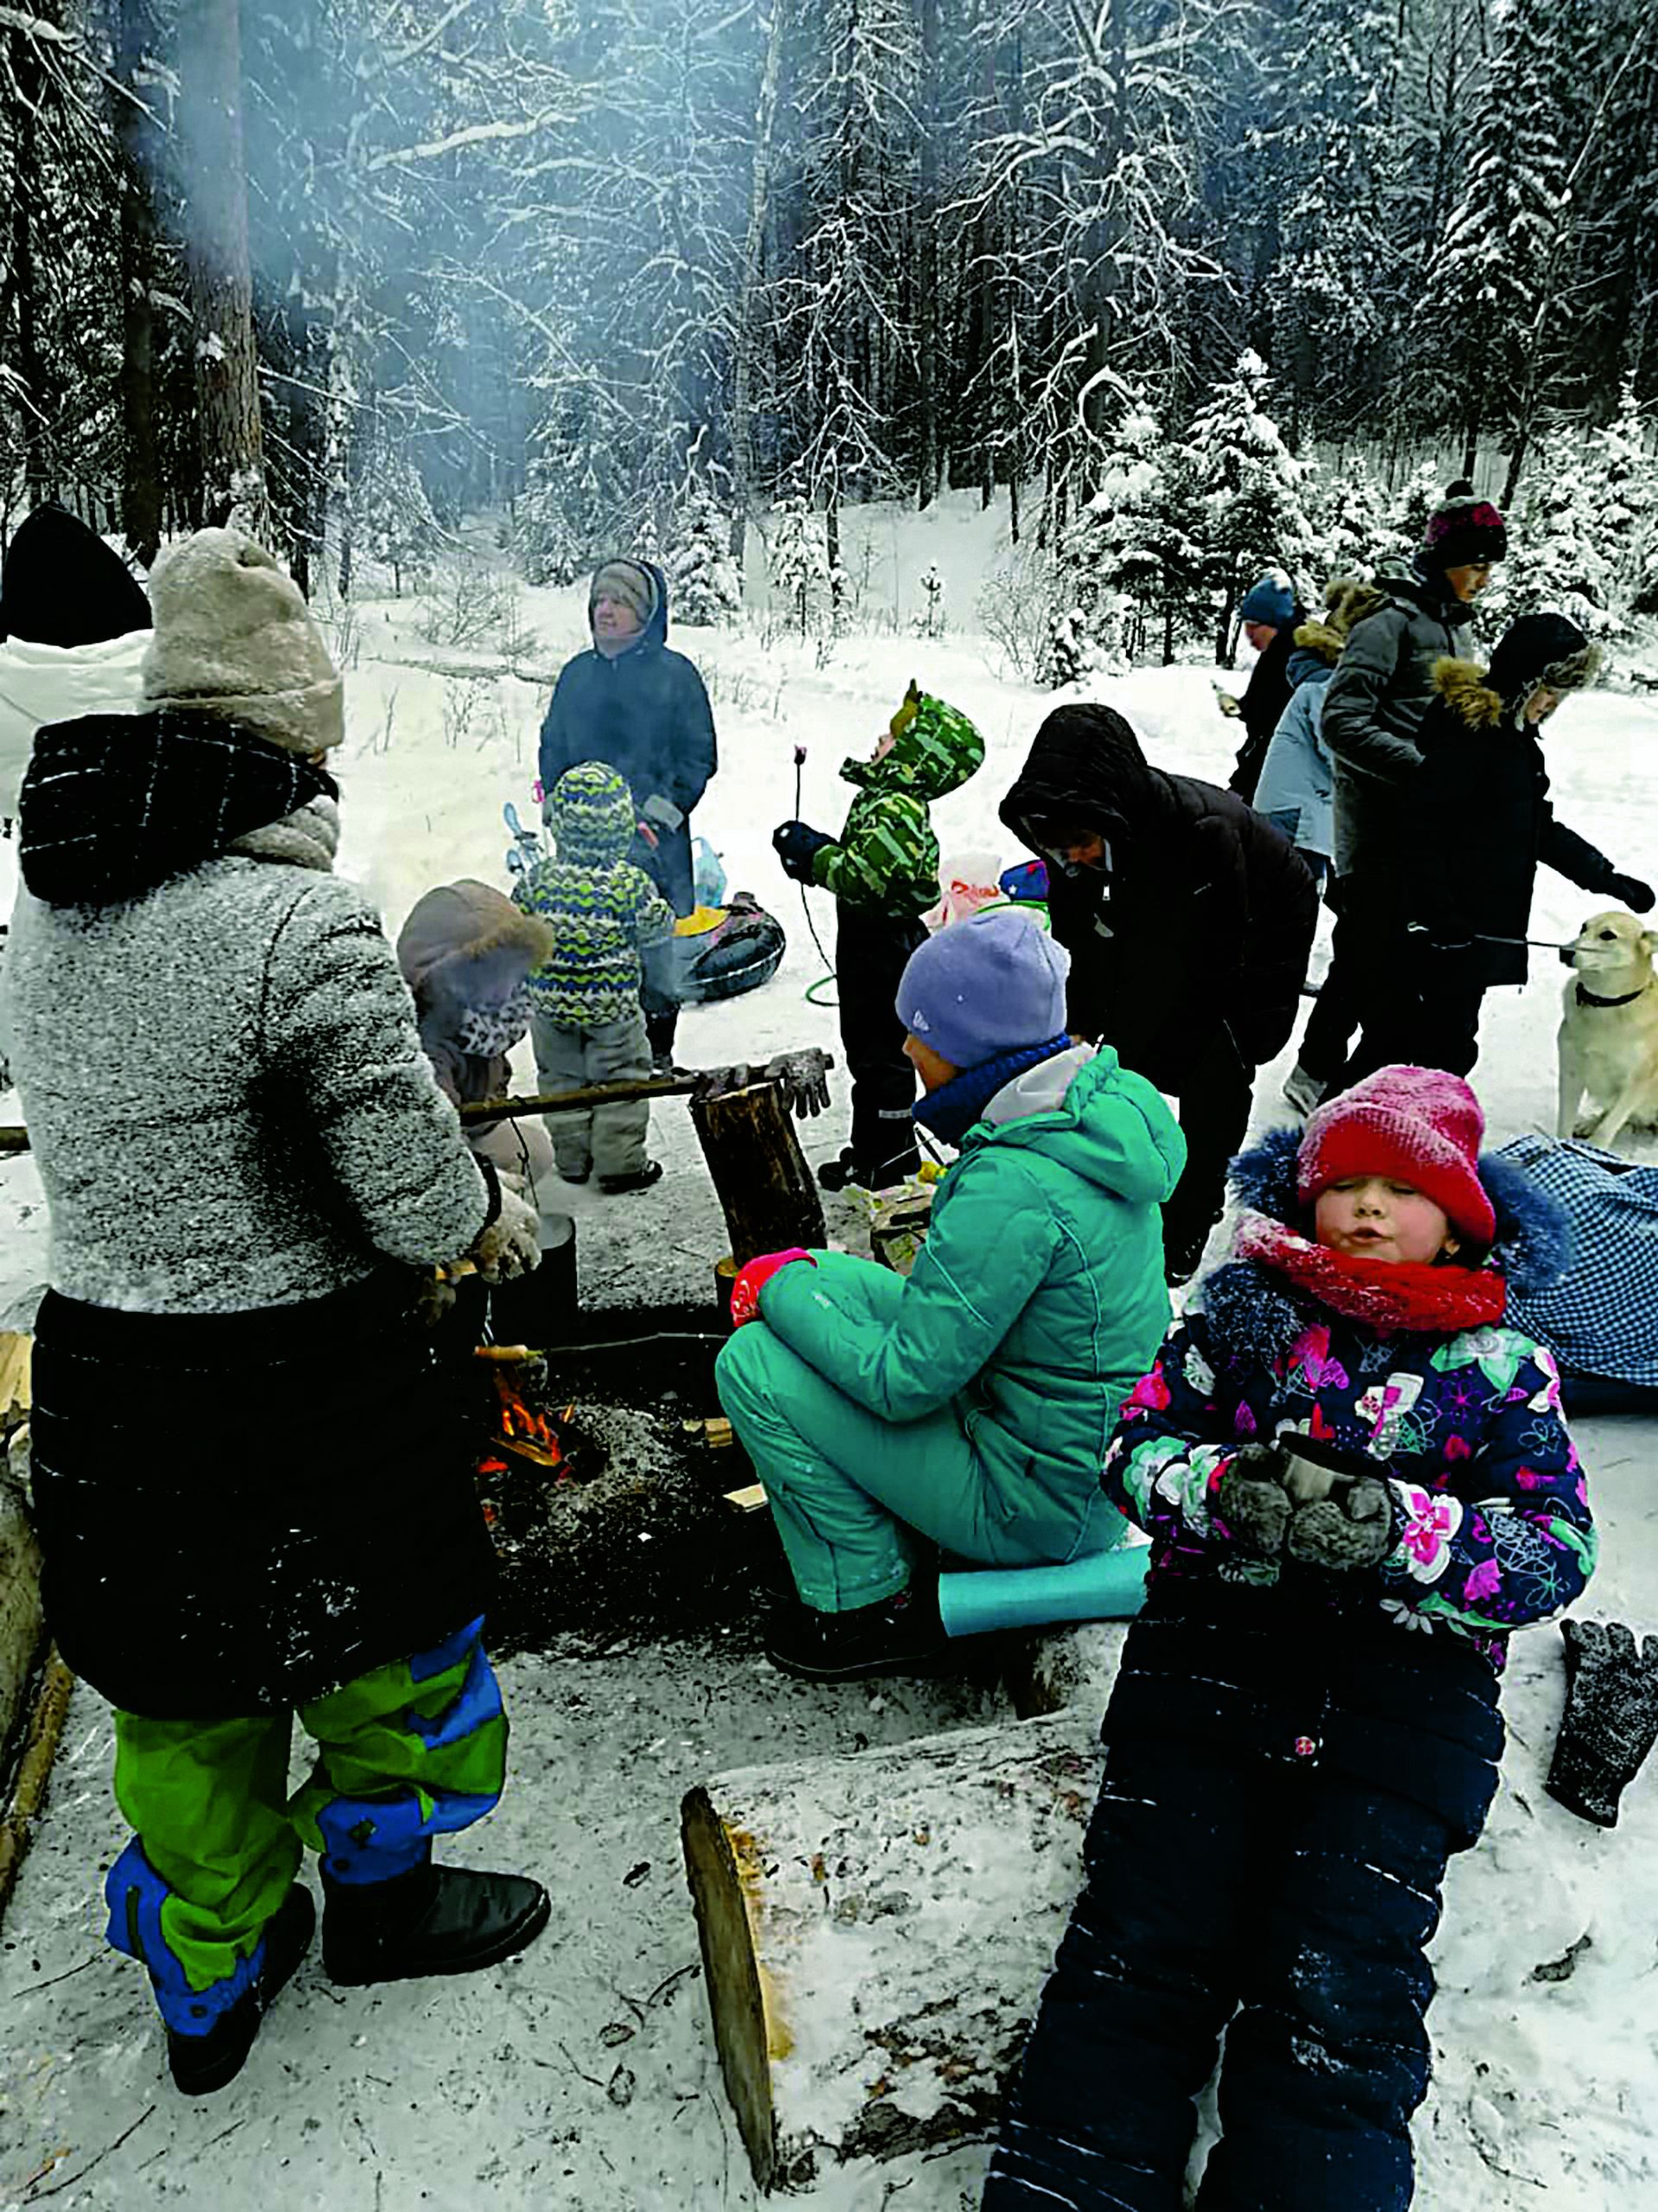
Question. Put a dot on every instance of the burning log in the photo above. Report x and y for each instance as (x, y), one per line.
(876, 1930)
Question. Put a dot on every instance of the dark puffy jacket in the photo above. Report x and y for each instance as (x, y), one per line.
(1207, 914)
(647, 715)
(1480, 821)
(1263, 703)
(1382, 688)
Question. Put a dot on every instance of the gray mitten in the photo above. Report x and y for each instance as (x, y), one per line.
(511, 1244)
(1340, 1533)
(804, 1077)
(662, 811)
(1253, 1502)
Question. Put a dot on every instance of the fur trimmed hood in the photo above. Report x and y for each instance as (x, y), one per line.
(463, 935)
(1254, 1316)
(1346, 602)
(1538, 650)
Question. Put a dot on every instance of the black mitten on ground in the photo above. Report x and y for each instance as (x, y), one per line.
(1611, 1721)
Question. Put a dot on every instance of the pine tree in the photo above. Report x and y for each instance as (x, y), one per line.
(1560, 560)
(1246, 490)
(1354, 531)
(797, 560)
(1127, 560)
(702, 577)
(1622, 464)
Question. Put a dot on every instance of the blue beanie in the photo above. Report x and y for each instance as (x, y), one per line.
(992, 984)
(1270, 601)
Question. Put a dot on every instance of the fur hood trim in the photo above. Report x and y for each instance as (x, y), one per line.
(1346, 602)
(460, 932)
(1462, 686)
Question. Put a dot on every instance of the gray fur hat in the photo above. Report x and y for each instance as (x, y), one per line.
(235, 638)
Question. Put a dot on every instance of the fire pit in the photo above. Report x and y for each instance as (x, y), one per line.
(603, 1470)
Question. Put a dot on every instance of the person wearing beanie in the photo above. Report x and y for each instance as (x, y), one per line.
(642, 709)
(1358, 1484)
(966, 1405)
(883, 871)
(1269, 612)
(1451, 908)
(1189, 921)
(251, 1174)
(603, 916)
(74, 626)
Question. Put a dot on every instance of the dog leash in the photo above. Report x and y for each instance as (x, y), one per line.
(1485, 937)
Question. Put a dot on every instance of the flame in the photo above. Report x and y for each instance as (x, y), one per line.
(522, 1428)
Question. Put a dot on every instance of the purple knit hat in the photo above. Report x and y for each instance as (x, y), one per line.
(992, 984)
(1418, 1124)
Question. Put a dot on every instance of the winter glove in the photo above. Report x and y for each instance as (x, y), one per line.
(797, 846)
(511, 1244)
(804, 1078)
(1636, 895)
(751, 1279)
(662, 812)
(1351, 1530)
(1253, 1502)
(717, 1082)
(1610, 1721)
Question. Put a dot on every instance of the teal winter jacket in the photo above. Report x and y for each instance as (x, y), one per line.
(1037, 1301)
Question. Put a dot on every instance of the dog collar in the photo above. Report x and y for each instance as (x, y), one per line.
(1589, 999)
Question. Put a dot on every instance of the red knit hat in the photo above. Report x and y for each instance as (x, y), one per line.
(1418, 1124)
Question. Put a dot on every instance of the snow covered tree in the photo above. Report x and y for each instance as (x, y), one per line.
(392, 522)
(1246, 490)
(703, 582)
(1127, 557)
(1353, 529)
(1069, 651)
(797, 560)
(1622, 464)
(1561, 559)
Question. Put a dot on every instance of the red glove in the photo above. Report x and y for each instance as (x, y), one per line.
(745, 1290)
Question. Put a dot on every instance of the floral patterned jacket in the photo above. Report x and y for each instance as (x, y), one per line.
(1491, 1529)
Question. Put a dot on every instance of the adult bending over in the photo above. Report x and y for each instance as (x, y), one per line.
(969, 1403)
(252, 1487)
(1188, 919)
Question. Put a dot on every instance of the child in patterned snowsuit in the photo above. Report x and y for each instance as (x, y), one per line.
(1305, 1725)
(883, 870)
(586, 1025)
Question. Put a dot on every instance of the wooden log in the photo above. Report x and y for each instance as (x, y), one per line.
(16, 1362)
(875, 1932)
(760, 1176)
(1073, 1663)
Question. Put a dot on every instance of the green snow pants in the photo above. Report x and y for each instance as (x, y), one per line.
(850, 1492)
(406, 1752)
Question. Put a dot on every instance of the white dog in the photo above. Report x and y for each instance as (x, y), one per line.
(1608, 1030)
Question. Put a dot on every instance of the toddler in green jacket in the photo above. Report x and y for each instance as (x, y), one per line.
(883, 870)
(969, 1405)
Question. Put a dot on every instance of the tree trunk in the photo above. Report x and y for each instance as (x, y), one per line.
(24, 123)
(929, 330)
(760, 1176)
(216, 259)
(747, 335)
(876, 1930)
(136, 78)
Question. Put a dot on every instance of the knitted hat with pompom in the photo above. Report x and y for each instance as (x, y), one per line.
(1462, 532)
(1417, 1124)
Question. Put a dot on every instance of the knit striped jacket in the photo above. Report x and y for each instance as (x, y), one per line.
(603, 911)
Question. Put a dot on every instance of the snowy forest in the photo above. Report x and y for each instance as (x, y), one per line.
(1193, 286)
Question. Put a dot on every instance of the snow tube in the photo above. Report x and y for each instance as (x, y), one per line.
(726, 950)
(1106, 1586)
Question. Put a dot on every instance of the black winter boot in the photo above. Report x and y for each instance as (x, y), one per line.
(432, 1920)
(899, 1635)
(202, 2063)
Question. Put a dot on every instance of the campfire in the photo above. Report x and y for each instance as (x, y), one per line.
(524, 1425)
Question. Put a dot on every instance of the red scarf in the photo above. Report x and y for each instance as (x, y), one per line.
(1385, 1296)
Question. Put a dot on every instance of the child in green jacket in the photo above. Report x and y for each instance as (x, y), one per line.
(969, 1403)
(883, 870)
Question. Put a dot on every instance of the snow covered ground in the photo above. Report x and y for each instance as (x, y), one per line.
(584, 2075)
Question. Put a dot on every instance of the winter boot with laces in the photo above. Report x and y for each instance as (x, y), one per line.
(900, 1635)
(202, 2063)
(431, 1920)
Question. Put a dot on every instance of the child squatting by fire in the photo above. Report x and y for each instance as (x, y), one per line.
(1357, 1483)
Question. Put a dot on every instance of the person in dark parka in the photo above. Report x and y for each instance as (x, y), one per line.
(1270, 614)
(1460, 852)
(1188, 919)
(643, 710)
